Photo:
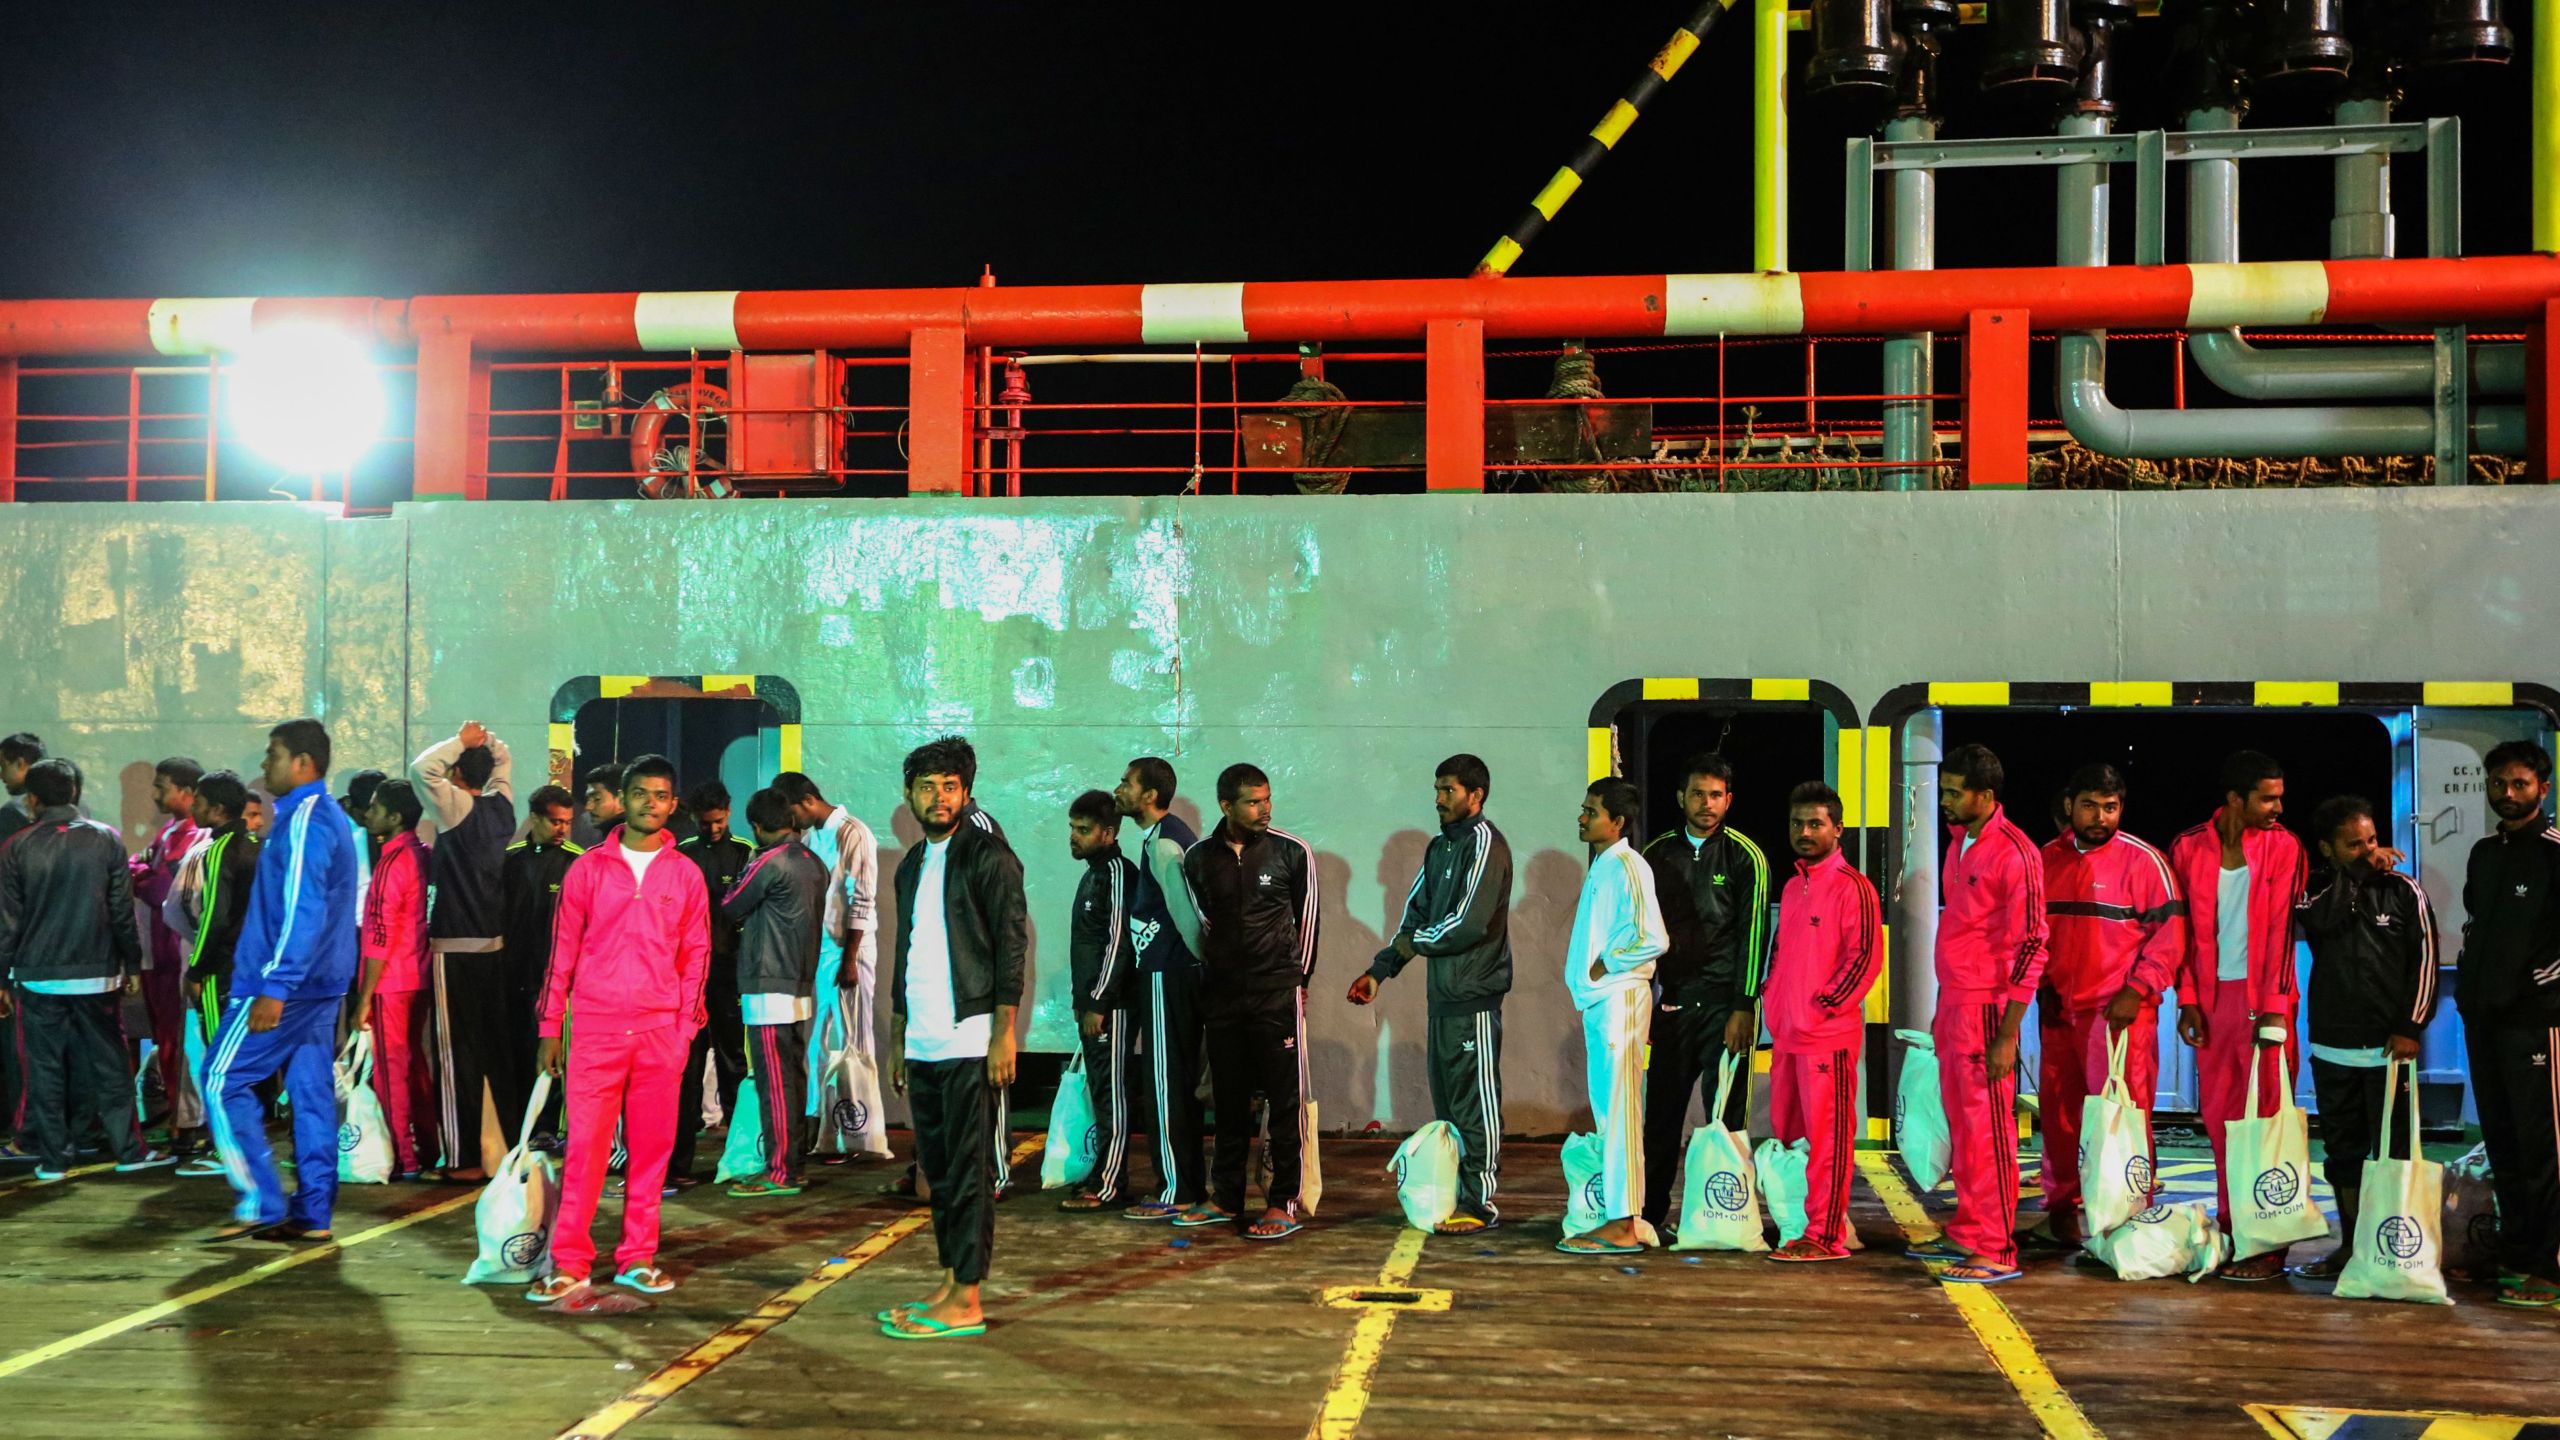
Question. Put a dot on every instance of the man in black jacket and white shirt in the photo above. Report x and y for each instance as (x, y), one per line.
(70, 950)
(1459, 914)
(1256, 889)
(956, 978)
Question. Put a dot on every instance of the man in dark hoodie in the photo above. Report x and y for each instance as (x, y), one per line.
(1459, 914)
(70, 949)
(775, 909)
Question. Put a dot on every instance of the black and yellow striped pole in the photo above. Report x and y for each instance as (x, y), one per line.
(1603, 138)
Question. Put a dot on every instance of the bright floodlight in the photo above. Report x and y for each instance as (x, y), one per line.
(307, 400)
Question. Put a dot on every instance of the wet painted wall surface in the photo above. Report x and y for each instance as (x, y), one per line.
(1345, 645)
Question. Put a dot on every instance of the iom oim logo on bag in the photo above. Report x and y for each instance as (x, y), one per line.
(1592, 1193)
(2401, 1236)
(2276, 1189)
(1725, 1191)
(350, 1135)
(851, 1115)
(2138, 1174)
(1093, 1138)
(521, 1251)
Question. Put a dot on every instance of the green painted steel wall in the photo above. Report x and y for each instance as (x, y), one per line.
(1346, 645)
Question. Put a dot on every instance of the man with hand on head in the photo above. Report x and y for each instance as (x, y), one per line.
(469, 783)
(630, 952)
(1458, 914)
(1617, 935)
(956, 979)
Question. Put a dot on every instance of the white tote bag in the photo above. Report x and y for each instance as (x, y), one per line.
(1425, 1169)
(2268, 1163)
(1582, 1198)
(852, 1122)
(1919, 1116)
(516, 1207)
(2116, 1179)
(1073, 1136)
(1720, 1203)
(2163, 1241)
(1781, 1169)
(364, 1140)
(742, 1155)
(2399, 1214)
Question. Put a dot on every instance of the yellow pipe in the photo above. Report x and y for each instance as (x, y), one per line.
(2546, 126)
(1769, 134)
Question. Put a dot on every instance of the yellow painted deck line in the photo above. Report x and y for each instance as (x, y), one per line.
(27, 1360)
(1348, 1400)
(671, 1378)
(1991, 1321)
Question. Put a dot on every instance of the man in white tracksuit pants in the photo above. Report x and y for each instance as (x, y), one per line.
(1617, 934)
(848, 965)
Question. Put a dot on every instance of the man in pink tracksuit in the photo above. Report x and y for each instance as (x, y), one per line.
(2119, 935)
(164, 972)
(1991, 937)
(1814, 992)
(631, 948)
(2243, 874)
(394, 946)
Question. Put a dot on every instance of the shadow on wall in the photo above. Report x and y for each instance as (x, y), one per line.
(1541, 920)
(137, 814)
(1346, 1075)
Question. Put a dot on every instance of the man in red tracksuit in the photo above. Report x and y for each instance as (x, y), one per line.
(631, 949)
(2119, 933)
(2243, 875)
(394, 946)
(1991, 939)
(1814, 992)
(164, 970)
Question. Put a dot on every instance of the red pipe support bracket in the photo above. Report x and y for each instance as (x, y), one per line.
(8, 428)
(2542, 396)
(453, 419)
(1995, 400)
(1453, 409)
(939, 402)
(2483, 290)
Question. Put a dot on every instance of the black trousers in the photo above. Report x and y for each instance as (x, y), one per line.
(476, 1046)
(1466, 1091)
(1683, 1047)
(526, 976)
(1173, 1035)
(728, 1034)
(13, 1070)
(1112, 1079)
(1256, 1046)
(954, 1110)
(78, 1075)
(2515, 1083)
(2351, 1121)
(782, 1098)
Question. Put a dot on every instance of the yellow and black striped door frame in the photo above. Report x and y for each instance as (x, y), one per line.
(1885, 724)
(780, 694)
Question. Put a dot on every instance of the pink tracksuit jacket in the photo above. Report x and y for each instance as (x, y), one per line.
(629, 959)
(2116, 920)
(1826, 959)
(2278, 873)
(395, 915)
(1991, 933)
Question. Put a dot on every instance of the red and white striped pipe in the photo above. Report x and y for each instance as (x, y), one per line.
(2310, 292)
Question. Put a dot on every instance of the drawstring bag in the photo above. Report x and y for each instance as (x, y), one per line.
(2470, 1218)
(1719, 1205)
(1425, 1169)
(1073, 1136)
(852, 1122)
(364, 1139)
(1582, 1185)
(2399, 1235)
(742, 1155)
(1919, 1115)
(2268, 1170)
(516, 1207)
(2116, 1173)
(2163, 1241)
(1781, 1169)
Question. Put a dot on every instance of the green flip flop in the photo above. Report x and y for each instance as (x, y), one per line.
(933, 1329)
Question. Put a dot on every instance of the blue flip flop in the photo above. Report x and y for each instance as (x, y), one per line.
(1290, 1228)
(1993, 1277)
(1937, 1250)
(1567, 1247)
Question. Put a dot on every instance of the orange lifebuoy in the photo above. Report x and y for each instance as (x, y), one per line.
(659, 466)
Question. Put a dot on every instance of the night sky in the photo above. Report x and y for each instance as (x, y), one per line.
(280, 149)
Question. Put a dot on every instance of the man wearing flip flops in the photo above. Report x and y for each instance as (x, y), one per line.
(1105, 973)
(2509, 992)
(1830, 950)
(1990, 958)
(956, 978)
(1617, 935)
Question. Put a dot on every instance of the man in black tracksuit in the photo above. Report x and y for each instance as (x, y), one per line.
(69, 950)
(529, 889)
(722, 857)
(1105, 976)
(1713, 884)
(2509, 988)
(468, 782)
(955, 979)
(776, 907)
(1164, 931)
(1256, 888)
(1459, 914)
(2372, 992)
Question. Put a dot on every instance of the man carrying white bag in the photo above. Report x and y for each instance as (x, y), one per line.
(1720, 1204)
(2269, 1168)
(364, 1140)
(2117, 1175)
(517, 1206)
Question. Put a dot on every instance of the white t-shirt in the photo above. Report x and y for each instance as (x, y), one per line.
(638, 860)
(776, 1009)
(933, 1032)
(2231, 926)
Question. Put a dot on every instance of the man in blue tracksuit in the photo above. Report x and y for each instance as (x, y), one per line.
(290, 971)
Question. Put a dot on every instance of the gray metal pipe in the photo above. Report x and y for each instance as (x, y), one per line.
(2080, 381)
(2328, 373)
(1910, 434)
